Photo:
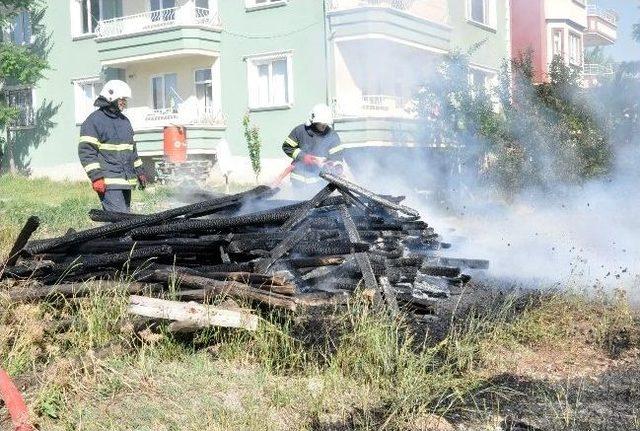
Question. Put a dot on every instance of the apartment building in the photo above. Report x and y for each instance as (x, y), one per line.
(205, 63)
(564, 28)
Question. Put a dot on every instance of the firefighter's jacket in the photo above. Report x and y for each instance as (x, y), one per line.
(107, 149)
(306, 140)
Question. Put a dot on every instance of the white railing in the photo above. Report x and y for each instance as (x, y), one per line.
(606, 14)
(145, 117)
(348, 4)
(158, 19)
(374, 106)
(594, 69)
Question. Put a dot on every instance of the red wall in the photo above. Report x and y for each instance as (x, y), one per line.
(528, 32)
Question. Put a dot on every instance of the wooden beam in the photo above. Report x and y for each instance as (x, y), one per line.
(76, 290)
(191, 314)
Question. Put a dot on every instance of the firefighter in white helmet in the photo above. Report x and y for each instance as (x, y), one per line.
(107, 150)
(312, 145)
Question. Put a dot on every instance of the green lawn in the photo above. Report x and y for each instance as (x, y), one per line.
(60, 205)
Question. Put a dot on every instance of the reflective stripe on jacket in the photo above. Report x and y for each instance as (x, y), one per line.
(107, 149)
(305, 139)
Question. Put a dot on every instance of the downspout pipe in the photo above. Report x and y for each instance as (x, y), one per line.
(14, 403)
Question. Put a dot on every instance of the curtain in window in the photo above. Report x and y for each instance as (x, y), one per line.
(204, 88)
(280, 93)
(85, 16)
(111, 9)
(478, 10)
(156, 84)
(263, 98)
(95, 14)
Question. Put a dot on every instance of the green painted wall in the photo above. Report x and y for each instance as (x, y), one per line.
(56, 136)
(198, 138)
(391, 23)
(297, 26)
(157, 42)
(361, 130)
(467, 34)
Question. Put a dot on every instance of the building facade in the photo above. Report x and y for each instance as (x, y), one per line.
(206, 63)
(561, 28)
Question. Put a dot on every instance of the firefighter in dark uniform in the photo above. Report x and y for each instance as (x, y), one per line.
(311, 146)
(107, 150)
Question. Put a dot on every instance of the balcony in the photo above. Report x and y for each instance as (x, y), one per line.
(205, 128)
(593, 69)
(413, 22)
(372, 106)
(145, 118)
(183, 30)
(602, 26)
(376, 121)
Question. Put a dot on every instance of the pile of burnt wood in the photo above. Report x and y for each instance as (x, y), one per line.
(252, 247)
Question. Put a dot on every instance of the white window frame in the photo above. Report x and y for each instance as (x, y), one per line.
(78, 92)
(562, 52)
(490, 12)
(211, 81)
(579, 48)
(253, 62)
(34, 103)
(77, 18)
(164, 96)
(253, 5)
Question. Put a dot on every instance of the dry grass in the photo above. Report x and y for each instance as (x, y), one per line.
(363, 370)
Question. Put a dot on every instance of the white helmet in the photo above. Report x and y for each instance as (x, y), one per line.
(116, 89)
(320, 113)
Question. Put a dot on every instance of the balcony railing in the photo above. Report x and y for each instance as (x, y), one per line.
(347, 4)
(593, 69)
(186, 15)
(607, 15)
(144, 117)
(375, 106)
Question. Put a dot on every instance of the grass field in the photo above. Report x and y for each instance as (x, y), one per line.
(559, 361)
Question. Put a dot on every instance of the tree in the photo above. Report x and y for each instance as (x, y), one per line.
(19, 65)
(521, 134)
(254, 145)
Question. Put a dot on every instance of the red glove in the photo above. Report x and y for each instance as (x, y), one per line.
(309, 160)
(99, 186)
(142, 180)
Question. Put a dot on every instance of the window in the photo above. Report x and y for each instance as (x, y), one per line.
(575, 49)
(22, 99)
(482, 12)
(558, 42)
(86, 92)
(259, 4)
(164, 92)
(478, 79)
(270, 81)
(204, 88)
(20, 32)
(90, 12)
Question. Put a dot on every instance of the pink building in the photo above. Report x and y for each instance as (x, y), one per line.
(562, 28)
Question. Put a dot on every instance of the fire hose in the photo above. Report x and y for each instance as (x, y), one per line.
(15, 403)
(337, 168)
